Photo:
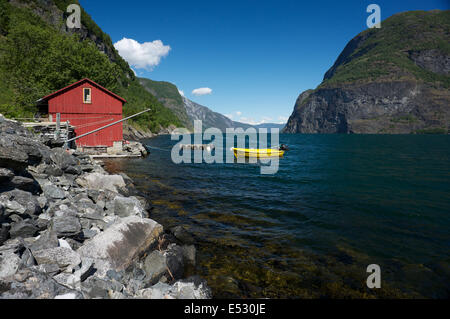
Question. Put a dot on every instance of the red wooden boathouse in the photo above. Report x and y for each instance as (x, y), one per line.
(88, 106)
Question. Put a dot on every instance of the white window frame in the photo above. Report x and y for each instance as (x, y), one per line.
(85, 101)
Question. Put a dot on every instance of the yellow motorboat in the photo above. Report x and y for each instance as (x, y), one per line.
(258, 153)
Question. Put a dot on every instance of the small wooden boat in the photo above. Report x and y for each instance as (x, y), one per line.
(258, 153)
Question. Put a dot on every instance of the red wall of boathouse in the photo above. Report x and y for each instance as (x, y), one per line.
(105, 108)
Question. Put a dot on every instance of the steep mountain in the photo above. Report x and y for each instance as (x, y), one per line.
(394, 79)
(39, 55)
(169, 96)
(209, 118)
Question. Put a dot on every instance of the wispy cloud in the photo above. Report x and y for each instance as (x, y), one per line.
(181, 92)
(282, 119)
(145, 55)
(202, 91)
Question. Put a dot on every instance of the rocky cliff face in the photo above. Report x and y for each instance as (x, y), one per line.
(391, 80)
(52, 12)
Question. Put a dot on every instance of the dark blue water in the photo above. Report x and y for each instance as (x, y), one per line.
(337, 204)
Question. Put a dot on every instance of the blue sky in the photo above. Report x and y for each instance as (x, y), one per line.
(255, 57)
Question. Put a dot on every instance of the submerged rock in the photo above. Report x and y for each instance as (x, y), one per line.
(188, 289)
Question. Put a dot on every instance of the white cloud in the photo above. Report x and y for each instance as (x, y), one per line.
(145, 55)
(181, 92)
(202, 91)
(230, 116)
(282, 119)
(238, 113)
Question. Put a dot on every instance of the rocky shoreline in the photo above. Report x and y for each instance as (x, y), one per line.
(70, 230)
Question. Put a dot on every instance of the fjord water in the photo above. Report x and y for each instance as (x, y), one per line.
(337, 204)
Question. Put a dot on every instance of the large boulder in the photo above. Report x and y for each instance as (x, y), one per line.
(17, 152)
(97, 181)
(122, 243)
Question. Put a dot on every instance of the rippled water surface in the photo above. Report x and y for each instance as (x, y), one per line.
(337, 204)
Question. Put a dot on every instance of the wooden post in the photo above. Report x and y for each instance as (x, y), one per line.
(58, 125)
(67, 131)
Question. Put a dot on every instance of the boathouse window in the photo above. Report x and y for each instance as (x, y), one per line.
(87, 95)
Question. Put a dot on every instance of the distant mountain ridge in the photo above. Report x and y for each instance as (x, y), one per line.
(188, 111)
(394, 79)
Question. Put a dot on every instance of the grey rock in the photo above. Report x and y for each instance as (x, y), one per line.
(155, 266)
(43, 221)
(25, 183)
(116, 275)
(87, 269)
(32, 284)
(99, 181)
(50, 269)
(53, 170)
(9, 264)
(62, 159)
(121, 244)
(189, 254)
(66, 226)
(17, 152)
(14, 245)
(89, 233)
(74, 170)
(175, 260)
(95, 287)
(128, 206)
(70, 281)
(46, 240)
(25, 228)
(180, 290)
(42, 200)
(53, 192)
(28, 203)
(4, 233)
(62, 256)
(27, 258)
(182, 235)
(5, 175)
